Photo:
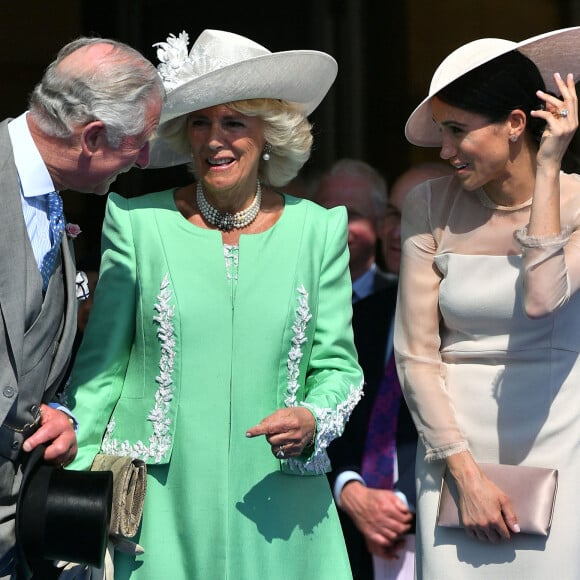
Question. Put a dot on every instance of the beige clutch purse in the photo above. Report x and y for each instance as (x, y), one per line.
(532, 491)
(129, 487)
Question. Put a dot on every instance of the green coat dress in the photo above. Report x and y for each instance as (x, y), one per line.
(189, 344)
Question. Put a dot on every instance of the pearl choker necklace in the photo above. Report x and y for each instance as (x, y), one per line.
(226, 221)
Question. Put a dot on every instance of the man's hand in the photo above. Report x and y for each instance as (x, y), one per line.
(381, 517)
(57, 432)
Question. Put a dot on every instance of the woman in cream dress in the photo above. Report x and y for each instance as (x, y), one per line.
(487, 336)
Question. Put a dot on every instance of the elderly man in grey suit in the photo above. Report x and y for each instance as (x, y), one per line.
(90, 118)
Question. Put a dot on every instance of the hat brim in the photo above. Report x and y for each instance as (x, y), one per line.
(33, 461)
(298, 76)
(551, 52)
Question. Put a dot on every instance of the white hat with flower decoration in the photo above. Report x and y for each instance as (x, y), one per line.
(223, 67)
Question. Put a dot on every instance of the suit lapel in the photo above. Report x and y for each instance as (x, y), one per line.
(62, 355)
(13, 240)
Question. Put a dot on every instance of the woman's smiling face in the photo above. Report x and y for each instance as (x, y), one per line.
(226, 147)
(478, 150)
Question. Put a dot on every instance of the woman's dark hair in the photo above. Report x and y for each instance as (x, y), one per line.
(497, 87)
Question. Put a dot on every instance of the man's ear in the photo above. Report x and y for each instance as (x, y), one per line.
(93, 137)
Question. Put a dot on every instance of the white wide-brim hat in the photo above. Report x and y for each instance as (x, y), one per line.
(223, 67)
(551, 52)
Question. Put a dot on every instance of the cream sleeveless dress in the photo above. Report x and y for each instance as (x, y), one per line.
(480, 375)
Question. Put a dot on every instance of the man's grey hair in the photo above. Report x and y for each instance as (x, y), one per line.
(115, 91)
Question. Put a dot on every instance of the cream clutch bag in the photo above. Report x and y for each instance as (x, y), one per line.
(129, 487)
(532, 491)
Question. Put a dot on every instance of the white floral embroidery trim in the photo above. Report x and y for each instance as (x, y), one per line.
(329, 425)
(303, 317)
(232, 258)
(329, 422)
(160, 440)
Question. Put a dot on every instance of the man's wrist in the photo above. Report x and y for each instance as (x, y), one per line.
(67, 412)
(342, 479)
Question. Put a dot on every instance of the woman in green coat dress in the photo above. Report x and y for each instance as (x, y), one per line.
(219, 349)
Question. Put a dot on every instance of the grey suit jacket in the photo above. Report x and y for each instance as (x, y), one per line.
(36, 337)
(19, 304)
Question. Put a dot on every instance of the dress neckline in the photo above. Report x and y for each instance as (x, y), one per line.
(487, 202)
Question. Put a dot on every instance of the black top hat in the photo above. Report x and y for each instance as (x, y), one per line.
(61, 514)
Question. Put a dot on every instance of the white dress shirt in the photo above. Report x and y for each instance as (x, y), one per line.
(364, 285)
(35, 183)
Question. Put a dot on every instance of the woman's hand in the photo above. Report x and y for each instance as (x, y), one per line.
(288, 431)
(561, 116)
(486, 511)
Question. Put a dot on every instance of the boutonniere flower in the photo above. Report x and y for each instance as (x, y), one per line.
(72, 230)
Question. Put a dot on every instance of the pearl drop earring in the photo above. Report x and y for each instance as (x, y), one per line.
(266, 153)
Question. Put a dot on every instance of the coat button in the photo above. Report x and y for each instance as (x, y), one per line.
(15, 445)
(8, 392)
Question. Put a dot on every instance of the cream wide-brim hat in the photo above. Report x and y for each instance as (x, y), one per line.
(556, 51)
(223, 67)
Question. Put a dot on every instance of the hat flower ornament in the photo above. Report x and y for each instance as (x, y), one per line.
(178, 67)
(173, 56)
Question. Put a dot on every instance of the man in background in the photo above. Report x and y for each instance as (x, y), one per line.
(373, 475)
(363, 191)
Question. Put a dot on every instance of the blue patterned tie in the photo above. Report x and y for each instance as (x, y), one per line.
(56, 219)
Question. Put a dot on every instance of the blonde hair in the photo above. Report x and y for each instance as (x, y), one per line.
(287, 131)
